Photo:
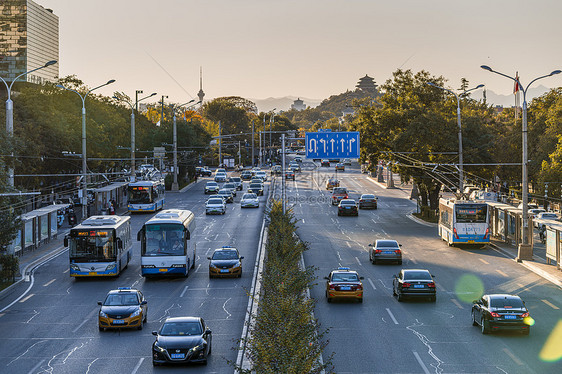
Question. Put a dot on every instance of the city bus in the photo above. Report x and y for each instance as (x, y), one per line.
(145, 196)
(463, 222)
(167, 244)
(99, 246)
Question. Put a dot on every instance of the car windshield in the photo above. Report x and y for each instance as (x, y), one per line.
(163, 239)
(230, 185)
(344, 277)
(225, 255)
(506, 302)
(212, 184)
(235, 180)
(215, 201)
(417, 275)
(386, 244)
(471, 213)
(249, 196)
(181, 328)
(255, 185)
(121, 299)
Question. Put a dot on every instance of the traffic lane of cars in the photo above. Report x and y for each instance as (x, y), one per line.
(215, 300)
(450, 307)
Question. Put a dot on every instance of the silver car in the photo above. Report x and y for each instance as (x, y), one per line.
(385, 250)
(250, 200)
(215, 205)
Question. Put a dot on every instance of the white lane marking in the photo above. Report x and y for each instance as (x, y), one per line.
(339, 256)
(303, 219)
(2, 314)
(359, 262)
(512, 356)
(484, 261)
(64, 272)
(372, 219)
(33, 316)
(372, 284)
(456, 302)
(27, 350)
(36, 366)
(550, 304)
(90, 365)
(138, 365)
(392, 316)
(198, 266)
(502, 273)
(419, 360)
(224, 308)
(49, 282)
(348, 244)
(26, 298)
(88, 317)
(184, 290)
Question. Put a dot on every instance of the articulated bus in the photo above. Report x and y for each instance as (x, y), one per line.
(99, 246)
(146, 196)
(463, 222)
(167, 247)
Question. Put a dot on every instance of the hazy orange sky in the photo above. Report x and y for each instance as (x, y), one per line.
(307, 48)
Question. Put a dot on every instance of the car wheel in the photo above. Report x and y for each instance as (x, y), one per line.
(474, 323)
(374, 261)
(399, 262)
(526, 331)
(101, 328)
(360, 300)
(484, 326)
(400, 297)
(240, 275)
(210, 349)
(433, 299)
(154, 363)
(339, 214)
(140, 326)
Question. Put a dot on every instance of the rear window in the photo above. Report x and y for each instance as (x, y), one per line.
(215, 201)
(506, 302)
(340, 190)
(417, 275)
(549, 216)
(344, 277)
(386, 244)
(368, 196)
(347, 202)
(255, 185)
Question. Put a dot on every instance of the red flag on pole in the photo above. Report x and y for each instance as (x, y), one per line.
(516, 84)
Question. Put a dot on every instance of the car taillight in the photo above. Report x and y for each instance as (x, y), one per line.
(378, 251)
(360, 200)
(456, 235)
(525, 315)
(431, 285)
(406, 285)
(346, 197)
(494, 314)
(397, 251)
(332, 287)
(359, 287)
(487, 233)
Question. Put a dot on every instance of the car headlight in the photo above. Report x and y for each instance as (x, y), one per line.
(74, 267)
(197, 348)
(212, 266)
(136, 313)
(110, 267)
(102, 314)
(158, 348)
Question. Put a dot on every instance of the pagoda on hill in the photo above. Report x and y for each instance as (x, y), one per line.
(367, 85)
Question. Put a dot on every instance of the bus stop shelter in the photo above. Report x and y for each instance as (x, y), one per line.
(553, 245)
(506, 222)
(116, 192)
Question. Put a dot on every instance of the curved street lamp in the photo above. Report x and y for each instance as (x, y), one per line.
(525, 250)
(458, 96)
(84, 166)
(133, 105)
(10, 110)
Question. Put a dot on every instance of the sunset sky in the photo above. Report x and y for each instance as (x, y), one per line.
(307, 48)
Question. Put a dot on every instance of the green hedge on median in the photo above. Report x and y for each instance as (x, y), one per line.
(286, 338)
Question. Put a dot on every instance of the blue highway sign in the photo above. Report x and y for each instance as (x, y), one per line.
(332, 145)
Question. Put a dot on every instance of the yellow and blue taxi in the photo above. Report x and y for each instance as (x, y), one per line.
(225, 262)
(124, 307)
(343, 283)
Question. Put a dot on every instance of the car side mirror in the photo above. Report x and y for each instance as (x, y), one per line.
(154, 332)
(241, 257)
(361, 278)
(139, 235)
(208, 330)
(326, 278)
(66, 241)
(475, 301)
(208, 258)
(370, 245)
(144, 302)
(99, 302)
(400, 245)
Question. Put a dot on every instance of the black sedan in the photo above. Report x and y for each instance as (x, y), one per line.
(368, 201)
(348, 207)
(181, 340)
(256, 188)
(414, 283)
(385, 250)
(501, 312)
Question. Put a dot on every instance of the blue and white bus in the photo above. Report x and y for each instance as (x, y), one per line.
(146, 196)
(463, 222)
(167, 244)
(99, 246)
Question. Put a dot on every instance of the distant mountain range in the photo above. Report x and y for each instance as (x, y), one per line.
(284, 103)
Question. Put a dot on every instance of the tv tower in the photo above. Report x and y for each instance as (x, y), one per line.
(201, 94)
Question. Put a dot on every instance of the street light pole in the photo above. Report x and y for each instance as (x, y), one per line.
(175, 185)
(525, 250)
(10, 111)
(253, 143)
(461, 172)
(84, 163)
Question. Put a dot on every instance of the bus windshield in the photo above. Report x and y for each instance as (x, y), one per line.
(139, 195)
(476, 213)
(163, 239)
(92, 249)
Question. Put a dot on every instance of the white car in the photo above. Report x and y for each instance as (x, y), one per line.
(215, 205)
(220, 177)
(261, 174)
(250, 200)
(347, 161)
(545, 217)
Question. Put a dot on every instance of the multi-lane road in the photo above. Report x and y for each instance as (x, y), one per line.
(53, 328)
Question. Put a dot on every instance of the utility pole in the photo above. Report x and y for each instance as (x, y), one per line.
(261, 153)
(162, 115)
(253, 162)
(220, 145)
(283, 174)
(137, 92)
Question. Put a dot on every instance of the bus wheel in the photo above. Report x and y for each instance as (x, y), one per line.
(187, 269)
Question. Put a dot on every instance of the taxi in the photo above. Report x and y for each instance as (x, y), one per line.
(225, 262)
(340, 166)
(124, 307)
(331, 183)
(344, 283)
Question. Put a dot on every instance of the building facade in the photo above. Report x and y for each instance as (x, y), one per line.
(298, 104)
(29, 38)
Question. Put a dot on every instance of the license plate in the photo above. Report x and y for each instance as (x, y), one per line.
(510, 317)
(162, 270)
(224, 270)
(471, 242)
(345, 288)
(419, 286)
(92, 273)
(388, 252)
(178, 355)
(118, 321)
